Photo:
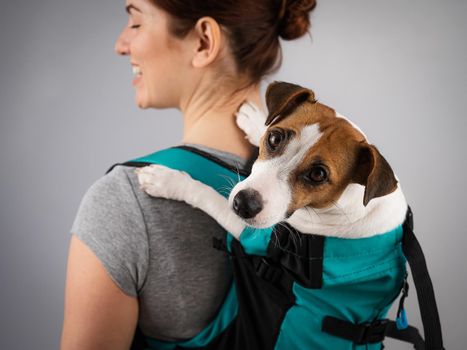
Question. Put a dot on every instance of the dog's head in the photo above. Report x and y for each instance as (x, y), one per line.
(307, 158)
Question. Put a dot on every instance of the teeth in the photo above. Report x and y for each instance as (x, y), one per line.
(136, 70)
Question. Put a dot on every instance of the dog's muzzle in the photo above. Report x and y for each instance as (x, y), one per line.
(247, 203)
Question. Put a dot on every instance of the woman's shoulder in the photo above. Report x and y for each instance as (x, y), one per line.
(120, 185)
(110, 222)
(111, 201)
(116, 181)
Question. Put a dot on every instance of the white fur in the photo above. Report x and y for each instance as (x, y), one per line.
(270, 178)
(251, 120)
(349, 218)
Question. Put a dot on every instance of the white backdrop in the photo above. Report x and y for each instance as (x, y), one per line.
(396, 68)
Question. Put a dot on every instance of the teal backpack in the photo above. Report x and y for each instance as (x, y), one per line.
(300, 291)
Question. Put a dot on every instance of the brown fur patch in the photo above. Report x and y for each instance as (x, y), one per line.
(339, 150)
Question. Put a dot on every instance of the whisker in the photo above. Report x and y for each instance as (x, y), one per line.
(309, 214)
(238, 172)
(342, 210)
(291, 252)
(229, 180)
(224, 192)
(282, 225)
(228, 188)
(292, 234)
(298, 235)
(316, 213)
(277, 242)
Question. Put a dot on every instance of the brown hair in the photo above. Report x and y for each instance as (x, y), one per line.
(253, 27)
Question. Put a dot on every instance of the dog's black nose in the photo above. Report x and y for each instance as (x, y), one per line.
(247, 203)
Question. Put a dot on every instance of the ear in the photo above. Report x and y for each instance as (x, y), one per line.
(375, 173)
(282, 98)
(207, 36)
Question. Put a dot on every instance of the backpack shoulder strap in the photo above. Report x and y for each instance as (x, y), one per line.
(201, 166)
(425, 293)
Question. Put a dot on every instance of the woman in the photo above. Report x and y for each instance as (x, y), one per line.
(148, 262)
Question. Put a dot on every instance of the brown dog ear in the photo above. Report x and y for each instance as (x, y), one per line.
(375, 173)
(282, 98)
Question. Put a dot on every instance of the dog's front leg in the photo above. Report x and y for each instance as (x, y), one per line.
(160, 181)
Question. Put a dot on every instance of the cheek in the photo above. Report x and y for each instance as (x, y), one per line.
(160, 76)
(301, 197)
(319, 197)
(147, 49)
(140, 45)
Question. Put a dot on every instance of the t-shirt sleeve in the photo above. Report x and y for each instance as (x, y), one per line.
(110, 222)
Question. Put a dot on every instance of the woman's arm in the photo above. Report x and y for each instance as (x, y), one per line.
(98, 315)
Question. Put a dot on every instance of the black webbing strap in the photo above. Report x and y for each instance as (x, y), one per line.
(244, 172)
(364, 333)
(409, 335)
(426, 296)
(375, 332)
(129, 163)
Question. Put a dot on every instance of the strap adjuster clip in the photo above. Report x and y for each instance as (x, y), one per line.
(373, 332)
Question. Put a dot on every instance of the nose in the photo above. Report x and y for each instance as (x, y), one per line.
(122, 45)
(247, 203)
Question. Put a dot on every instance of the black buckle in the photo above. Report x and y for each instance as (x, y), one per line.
(372, 332)
(409, 218)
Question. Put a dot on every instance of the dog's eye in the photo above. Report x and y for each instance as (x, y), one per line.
(317, 175)
(275, 138)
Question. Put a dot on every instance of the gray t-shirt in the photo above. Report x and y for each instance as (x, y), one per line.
(158, 250)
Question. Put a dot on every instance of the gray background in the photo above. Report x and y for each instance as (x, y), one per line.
(396, 68)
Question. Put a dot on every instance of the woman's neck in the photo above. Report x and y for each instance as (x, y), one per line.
(209, 120)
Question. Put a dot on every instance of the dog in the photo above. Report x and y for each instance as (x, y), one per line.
(317, 260)
(316, 171)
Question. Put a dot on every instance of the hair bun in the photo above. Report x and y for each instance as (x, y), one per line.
(295, 20)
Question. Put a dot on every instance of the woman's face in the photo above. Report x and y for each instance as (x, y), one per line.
(159, 60)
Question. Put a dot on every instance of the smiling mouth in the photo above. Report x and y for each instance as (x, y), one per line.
(136, 70)
(136, 74)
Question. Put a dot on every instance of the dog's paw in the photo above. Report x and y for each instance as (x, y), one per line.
(160, 181)
(251, 120)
